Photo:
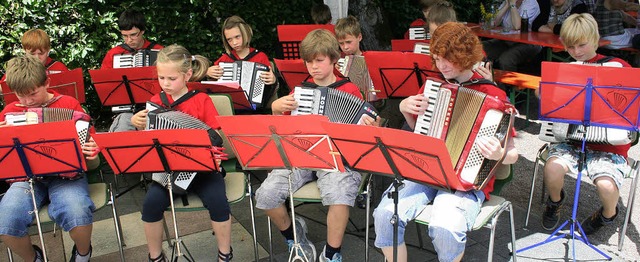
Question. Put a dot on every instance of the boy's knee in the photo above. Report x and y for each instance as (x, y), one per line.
(554, 167)
(606, 185)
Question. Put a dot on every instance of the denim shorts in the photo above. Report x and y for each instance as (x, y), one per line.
(336, 188)
(69, 204)
(598, 163)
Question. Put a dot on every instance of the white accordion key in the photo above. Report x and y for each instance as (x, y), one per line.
(422, 48)
(305, 98)
(423, 124)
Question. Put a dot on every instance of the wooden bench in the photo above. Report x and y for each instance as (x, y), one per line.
(522, 83)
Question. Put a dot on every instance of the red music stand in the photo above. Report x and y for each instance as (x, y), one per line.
(294, 72)
(299, 141)
(290, 37)
(396, 153)
(233, 89)
(28, 152)
(68, 83)
(398, 74)
(170, 151)
(405, 45)
(587, 95)
(125, 86)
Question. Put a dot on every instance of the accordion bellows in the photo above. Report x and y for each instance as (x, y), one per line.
(340, 107)
(460, 116)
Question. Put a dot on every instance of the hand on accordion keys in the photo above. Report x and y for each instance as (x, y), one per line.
(215, 72)
(268, 77)
(219, 155)
(90, 149)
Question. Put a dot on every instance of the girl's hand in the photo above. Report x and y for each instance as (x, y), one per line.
(215, 72)
(369, 121)
(139, 120)
(284, 104)
(268, 77)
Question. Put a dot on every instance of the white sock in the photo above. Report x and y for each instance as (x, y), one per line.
(81, 258)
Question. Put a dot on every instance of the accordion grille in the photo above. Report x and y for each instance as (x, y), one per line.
(468, 104)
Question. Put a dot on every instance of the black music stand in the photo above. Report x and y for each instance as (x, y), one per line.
(28, 152)
(239, 97)
(399, 74)
(395, 153)
(170, 151)
(587, 95)
(125, 87)
(300, 141)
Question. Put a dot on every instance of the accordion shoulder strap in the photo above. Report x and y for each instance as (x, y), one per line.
(185, 97)
(335, 84)
(50, 63)
(605, 59)
(246, 58)
(478, 81)
(131, 50)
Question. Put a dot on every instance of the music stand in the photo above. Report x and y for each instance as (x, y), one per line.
(587, 95)
(398, 74)
(69, 83)
(405, 45)
(299, 141)
(290, 37)
(233, 89)
(28, 152)
(394, 153)
(294, 72)
(125, 86)
(170, 151)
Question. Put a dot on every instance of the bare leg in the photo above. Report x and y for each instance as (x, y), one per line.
(280, 217)
(402, 253)
(554, 172)
(153, 231)
(81, 236)
(337, 219)
(21, 246)
(609, 194)
(223, 235)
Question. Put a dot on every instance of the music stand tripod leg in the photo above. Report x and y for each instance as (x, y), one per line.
(37, 214)
(176, 252)
(294, 255)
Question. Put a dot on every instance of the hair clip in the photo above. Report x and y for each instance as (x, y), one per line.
(193, 58)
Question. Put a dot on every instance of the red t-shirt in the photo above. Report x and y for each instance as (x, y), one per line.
(490, 90)
(260, 57)
(107, 62)
(63, 102)
(619, 149)
(416, 23)
(199, 106)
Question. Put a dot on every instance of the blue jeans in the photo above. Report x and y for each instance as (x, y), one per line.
(69, 204)
(453, 215)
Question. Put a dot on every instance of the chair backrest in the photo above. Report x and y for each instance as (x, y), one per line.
(224, 106)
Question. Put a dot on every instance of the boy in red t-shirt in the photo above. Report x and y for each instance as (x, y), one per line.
(36, 42)
(69, 202)
(132, 26)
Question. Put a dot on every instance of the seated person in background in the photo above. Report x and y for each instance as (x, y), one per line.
(454, 51)
(507, 55)
(236, 38)
(605, 164)
(554, 12)
(614, 22)
(175, 67)
(320, 51)
(321, 14)
(37, 43)
(349, 35)
(69, 203)
(425, 5)
(132, 26)
(439, 13)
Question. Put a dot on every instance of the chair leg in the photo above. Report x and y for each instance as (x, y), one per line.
(367, 221)
(270, 239)
(10, 254)
(533, 184)
(513, 233)
(116, 222)
(253, 216)
(494, 221)
(627, 217)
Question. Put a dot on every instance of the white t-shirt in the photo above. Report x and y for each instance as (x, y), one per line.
(532, 8)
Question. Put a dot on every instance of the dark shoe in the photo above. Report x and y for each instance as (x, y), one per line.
(160, 258)
(39, 254)
(74, 253)
(550, 217)
(225, 257)
(594, 222)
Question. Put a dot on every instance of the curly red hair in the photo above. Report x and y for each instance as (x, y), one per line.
(456, 43)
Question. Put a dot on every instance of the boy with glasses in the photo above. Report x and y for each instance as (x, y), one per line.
(132, 26)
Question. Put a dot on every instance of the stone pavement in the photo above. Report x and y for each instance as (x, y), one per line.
(196, 230)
